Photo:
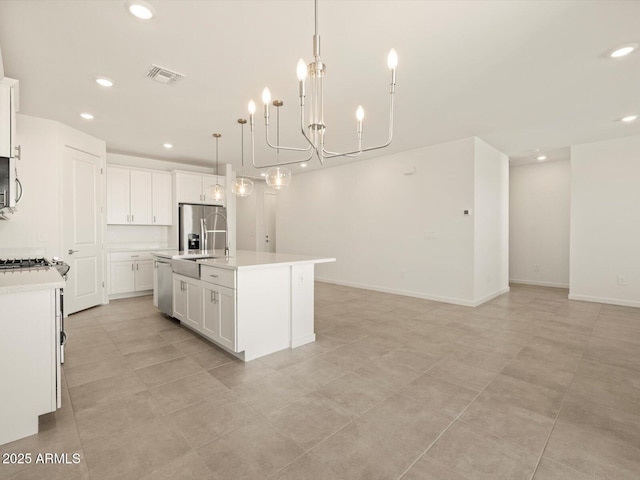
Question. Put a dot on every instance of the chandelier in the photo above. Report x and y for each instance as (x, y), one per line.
(216, 192)
(314, 131)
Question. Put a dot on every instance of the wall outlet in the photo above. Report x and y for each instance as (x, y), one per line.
(621, 281)
(536, 267)
(403, 275)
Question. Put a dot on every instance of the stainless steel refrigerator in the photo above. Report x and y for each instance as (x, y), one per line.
(202, 227)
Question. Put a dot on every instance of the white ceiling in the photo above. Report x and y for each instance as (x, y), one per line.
(522, 75)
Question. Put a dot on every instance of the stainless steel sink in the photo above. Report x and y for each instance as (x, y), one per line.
(186, 266)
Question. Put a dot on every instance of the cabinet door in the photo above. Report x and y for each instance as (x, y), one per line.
(211, 313)
(7, 121)
(189, 188)
(118, 204)
(161, 186)
(227, 301)
(144, 275)
(122, 277)
(179, 297)
(219, 322)
(141, 213)
(193, 316)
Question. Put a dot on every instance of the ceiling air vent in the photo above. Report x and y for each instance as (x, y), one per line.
(163, 75)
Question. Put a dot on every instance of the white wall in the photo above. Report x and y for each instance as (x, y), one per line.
(605, 221)
(152, 163)
(36, 224)
(491, 222)
(251, 218)
(539, 216)
(388, 230)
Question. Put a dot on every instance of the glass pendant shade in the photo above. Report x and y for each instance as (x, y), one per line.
(215, 192)
(278, 177)
(242, 187)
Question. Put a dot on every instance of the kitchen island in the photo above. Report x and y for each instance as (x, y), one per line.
(251, 303)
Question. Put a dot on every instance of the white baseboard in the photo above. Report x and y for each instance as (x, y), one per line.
(610, 301)
(435, 298)
(539, 284)
(298, 342)
(491, 296)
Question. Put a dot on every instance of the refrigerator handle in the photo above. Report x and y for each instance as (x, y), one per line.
(203, 234)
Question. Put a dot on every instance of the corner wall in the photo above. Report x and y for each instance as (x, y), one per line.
(539, 216)
(491, 222)
(605, 221)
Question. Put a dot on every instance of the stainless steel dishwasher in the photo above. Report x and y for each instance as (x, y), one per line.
(165, 285)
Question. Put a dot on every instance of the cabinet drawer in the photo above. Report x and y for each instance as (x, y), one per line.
(130, 256)
(220, 276)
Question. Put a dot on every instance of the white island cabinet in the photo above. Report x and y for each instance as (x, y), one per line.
(257, 303)
(29, 353)
(251, 304)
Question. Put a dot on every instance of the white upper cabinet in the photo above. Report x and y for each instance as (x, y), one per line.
(138, 197)
(161, 192)
(118, 201)
(8, 109)
(192, 188)
(141, 197)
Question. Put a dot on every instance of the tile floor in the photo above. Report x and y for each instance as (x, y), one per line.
(529, 385)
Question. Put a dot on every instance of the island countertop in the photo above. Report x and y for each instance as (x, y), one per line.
(245, 260)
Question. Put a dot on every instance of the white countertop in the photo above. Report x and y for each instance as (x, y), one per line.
(244, 260)
(26, 280)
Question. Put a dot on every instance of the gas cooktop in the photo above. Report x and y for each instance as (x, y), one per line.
(15, 263)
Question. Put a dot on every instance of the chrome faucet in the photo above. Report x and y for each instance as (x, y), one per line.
(204, 233)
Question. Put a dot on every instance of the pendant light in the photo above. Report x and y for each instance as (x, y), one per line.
(278, 177)
(216, 192)
(242, 186)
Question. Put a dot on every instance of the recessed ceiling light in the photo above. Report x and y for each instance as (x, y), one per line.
(104, 81)
(140, 9)
(263, 174)
(541, 157)
(86, 116)
(167, 145)
(629, 118)
(623, 50)
(303, 165)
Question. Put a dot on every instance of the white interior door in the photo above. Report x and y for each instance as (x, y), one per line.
(269, 222)
(82, 229)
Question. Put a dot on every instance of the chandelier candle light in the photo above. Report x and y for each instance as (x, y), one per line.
(314, 131)
(216, 192)
(242, 186)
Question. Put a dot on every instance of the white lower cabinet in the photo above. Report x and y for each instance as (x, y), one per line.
(209, 308)
(220, 315)
(187, 301)
(130, 273)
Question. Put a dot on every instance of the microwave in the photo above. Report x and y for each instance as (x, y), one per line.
(9, 184)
